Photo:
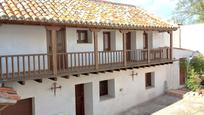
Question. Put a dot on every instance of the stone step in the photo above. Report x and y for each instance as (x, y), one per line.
(176, 92)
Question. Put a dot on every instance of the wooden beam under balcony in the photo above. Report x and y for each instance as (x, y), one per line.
(53, 78)
(21, 82)
(38, 80)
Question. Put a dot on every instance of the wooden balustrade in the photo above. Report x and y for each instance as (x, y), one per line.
(21, 67)
(110, 57)
(159, 54)
(33, 66)
(75, 61)
(137, 56)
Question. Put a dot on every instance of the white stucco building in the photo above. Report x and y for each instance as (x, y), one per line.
(191, 37)
(70, 59)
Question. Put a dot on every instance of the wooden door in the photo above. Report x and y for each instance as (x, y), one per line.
(128, 45)
(22, 107)
(182, 72)
(79, 93)
(106, 41)
(145, 40)
(61, 49)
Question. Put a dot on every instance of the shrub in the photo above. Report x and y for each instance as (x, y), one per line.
(198, 63)
(193, 80)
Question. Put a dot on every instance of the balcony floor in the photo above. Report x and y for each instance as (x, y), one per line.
(22, 76)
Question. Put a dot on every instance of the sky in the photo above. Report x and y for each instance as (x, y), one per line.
(161, 8)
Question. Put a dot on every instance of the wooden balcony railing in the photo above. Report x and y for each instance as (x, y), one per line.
(36, 66)
(20, 67)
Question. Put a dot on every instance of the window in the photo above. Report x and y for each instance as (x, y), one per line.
(149, 79)
(145, 40)
(106, 41)
(106, 89)
(82, 36)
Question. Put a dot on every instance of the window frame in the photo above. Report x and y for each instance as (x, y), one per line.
(149, 80)
(103, 91)
(79, 40)
(109, 41)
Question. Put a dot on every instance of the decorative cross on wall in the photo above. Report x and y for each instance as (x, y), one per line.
(55, 87)
(133, 75)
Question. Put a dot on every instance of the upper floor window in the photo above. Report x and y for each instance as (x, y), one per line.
(106, 41)
(82, 36)
(149, 79)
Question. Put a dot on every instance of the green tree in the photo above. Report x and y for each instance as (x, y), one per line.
(189, 11)
(197, 63)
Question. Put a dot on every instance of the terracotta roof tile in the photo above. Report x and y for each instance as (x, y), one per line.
(79, 12)
(8, 95)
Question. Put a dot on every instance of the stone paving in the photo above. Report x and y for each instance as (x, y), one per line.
(191, 104)
(152, 106)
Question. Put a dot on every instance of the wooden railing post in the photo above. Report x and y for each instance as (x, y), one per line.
(171, 44)
(54, 30)
(1, 77)
(96, 53)
(124, 32)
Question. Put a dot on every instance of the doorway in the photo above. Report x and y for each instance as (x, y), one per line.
(84, 99)
(182, 71)
(79, 93)
(61, 49)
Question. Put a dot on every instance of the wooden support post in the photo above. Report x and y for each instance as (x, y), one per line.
(54, 51)
(171, 44)
(148, 49)
(54, 30)
(124, 32)
(124, 50)
(95, 33)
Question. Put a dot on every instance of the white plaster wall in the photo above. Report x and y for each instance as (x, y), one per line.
(73, 46)
(19, 39)
(182, 53)
(172, 75)
(192, 37)
(160, 39)
(128, 92)
(139, 37)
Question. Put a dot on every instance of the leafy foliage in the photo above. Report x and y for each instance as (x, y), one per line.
(198, 63)
(193, 80)
(194, 70)
(189, 11)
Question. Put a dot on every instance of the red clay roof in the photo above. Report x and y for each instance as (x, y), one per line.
(8, 94)
(80, 12)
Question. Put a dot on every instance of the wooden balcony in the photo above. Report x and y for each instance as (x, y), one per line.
(38, 66)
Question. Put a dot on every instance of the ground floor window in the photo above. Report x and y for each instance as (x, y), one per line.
(149, 79)
(106, 89)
